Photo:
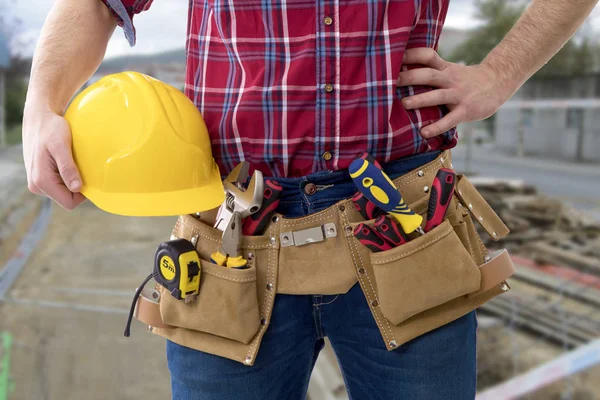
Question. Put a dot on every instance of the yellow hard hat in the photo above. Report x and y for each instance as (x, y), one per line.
(142, 148)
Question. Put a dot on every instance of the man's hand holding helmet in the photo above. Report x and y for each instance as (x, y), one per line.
(51, 170)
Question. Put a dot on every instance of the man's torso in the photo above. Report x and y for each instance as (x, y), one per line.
(301, 86)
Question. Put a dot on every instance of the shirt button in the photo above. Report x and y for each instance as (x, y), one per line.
(310, 189)
(328, 21)
(327, 156)
(329, 88)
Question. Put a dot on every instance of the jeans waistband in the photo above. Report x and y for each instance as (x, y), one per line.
(315, 192)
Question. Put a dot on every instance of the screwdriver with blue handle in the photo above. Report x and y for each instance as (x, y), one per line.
(369, 158)
(381, 191)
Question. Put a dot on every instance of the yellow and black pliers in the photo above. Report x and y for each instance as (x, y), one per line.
(229, 254)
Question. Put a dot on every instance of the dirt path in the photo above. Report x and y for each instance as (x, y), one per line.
(67, 311)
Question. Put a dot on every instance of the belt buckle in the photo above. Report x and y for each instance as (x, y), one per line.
(306, 236)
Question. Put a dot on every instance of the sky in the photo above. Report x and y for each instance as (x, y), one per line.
(163, 26)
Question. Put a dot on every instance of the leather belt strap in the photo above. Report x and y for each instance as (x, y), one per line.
(480, 209)
(414, 187)
(289, 261)
(147, 309)
(493, 273)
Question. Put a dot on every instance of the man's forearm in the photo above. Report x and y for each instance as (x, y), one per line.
(72, 45)
(542, 30)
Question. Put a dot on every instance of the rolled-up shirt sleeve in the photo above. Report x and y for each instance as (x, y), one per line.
(124, 10)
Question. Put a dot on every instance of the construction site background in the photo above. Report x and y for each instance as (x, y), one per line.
(67, 278)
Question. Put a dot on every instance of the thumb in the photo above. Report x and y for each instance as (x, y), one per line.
(67, 169)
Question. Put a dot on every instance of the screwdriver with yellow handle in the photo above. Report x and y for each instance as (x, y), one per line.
(381, 191)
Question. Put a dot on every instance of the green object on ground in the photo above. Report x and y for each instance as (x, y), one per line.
(5, 384)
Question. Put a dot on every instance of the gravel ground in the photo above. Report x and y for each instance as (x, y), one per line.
(93, 260)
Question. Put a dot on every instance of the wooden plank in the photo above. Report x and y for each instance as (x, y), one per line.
(531, 326)
(541, 251)
(487, 322)
(555, 310)
(572, 290)
(583, 328)
(542, 318)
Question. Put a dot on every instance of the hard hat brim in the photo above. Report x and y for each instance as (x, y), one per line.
(188, 201)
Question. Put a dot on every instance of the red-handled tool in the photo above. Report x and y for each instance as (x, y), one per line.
(390, 231)
(367, 209)
(256, 223)
(442, 190)
(371, 239)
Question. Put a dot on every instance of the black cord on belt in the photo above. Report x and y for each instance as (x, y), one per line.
(135, 299)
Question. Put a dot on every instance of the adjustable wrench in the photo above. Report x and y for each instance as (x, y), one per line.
(236, 199)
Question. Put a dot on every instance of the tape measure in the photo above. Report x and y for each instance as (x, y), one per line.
(177, 268)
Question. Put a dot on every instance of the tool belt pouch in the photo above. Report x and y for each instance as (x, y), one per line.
(233, 308)
(424, 273)
(226, 306)
(443, 274)
(411, 289)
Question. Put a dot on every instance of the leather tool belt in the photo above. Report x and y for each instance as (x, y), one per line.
(411, 289)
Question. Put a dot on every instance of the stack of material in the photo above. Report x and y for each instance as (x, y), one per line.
(543, 229)
(556, 289)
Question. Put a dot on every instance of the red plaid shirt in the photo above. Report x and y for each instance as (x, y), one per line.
(300, 86)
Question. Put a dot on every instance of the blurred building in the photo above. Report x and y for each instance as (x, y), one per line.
(450, 39)
(556, 117)
(4, 63)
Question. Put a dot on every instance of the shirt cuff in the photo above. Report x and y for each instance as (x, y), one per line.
(124, 10)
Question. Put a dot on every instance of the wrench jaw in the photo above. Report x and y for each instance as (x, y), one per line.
(238, 204)
(253, 196)
(237, 200)
(240, 173)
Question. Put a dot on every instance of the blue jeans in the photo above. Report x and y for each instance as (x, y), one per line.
(440, 364)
